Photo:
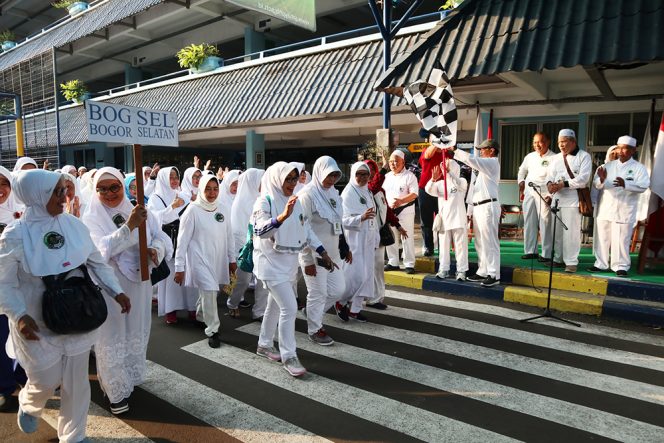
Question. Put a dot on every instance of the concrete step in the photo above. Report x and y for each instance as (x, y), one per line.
(561, 300)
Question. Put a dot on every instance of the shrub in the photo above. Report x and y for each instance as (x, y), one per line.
(191, 57)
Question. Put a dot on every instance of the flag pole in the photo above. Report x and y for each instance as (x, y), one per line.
(140, 200)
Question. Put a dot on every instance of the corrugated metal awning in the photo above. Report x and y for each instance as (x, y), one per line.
(488, 37)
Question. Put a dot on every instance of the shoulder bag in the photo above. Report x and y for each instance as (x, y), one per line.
(585, 203)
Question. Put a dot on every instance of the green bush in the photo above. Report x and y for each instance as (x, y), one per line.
(73, 89)
(63, 4)
(7, 36)
(191, 57)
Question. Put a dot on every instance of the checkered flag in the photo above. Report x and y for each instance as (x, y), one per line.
(434, 107)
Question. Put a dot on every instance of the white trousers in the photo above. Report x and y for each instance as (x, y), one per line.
(407, 222)
(241, 285)
(323, 290)
(379, 276)
(460, 237)
(207, 309)
(486, 220)
(568, 242)
(280, 313)
(536, 219)
(613, 239)
(71, 374)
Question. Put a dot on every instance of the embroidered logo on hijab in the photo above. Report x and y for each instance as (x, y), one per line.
(219, 217)
(333, 202)
(363, 200)
(119, 220)
(53, 240)
(2, 227)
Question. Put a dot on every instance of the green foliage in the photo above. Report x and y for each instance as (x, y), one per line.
(63, 4)
(7, 36)
(450, 4)
(73, 89)
(6, 107)
(191, 57)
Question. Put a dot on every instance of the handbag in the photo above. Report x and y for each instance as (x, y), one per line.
(245, 259)
(385, 232)
(160, 272)
(73, 304)
(585, 203)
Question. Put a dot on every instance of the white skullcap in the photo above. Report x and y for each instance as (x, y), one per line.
(398, 153)
(627, 140)
(567, 133)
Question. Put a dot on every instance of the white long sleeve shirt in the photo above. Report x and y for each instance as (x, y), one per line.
(534, 169)
(581, 165)
(620, 204)
(452, 210)
(485, 186)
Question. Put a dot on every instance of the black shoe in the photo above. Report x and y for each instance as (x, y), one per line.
(558, 264)
(476, 278)
(342, 311)
(378, 305)
(214, 341)
(410, 270)
(596, 269)
(258, 319)
(490, 281)
(120, 407)
(621, 273)
(391, 268)
(357, 317)
(245, 304)
(529, 256)
(428, 253)
(542, 259)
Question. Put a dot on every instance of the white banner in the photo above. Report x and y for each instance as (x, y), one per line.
(129, 125)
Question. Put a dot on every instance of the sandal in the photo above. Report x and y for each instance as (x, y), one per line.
(235, 313)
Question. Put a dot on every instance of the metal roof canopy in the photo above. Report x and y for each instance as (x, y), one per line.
(489, 37)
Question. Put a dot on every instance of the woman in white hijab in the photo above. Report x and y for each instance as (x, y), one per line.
(47, 242)
(205, 251)
(8, 209)
(304, 177)
(169, 203)
(363, 239)
(190, 180)
(25, 164)
(86, 186)
(228, 189)
(122, 343)
(248, 191)
(73, 196)
(281, 232)
(69, 169)
(321, 204)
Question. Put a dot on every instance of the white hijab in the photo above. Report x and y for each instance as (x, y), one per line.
(357, 199)
(187, 184)
(86, 186)
(201, 199)
(226, 199)
(68, 170)
(8, 208)
(22, 162)
(52, 245)
(247, 193)
(326, 201)
(163, 187)
(290, 236)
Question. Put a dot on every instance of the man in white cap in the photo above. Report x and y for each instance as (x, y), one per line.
(537, 217)
(621, 181)
(483, 196)
(569, 170)
(401, 192)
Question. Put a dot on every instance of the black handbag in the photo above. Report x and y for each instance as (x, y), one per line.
(73, 304)
(160, 272)
(386, 235)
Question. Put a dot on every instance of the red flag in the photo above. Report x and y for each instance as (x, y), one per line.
(489, 131)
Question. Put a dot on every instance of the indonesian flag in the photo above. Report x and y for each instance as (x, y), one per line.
(657, 174)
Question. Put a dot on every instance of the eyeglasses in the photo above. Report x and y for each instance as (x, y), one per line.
(292, 179)
(132, 187)
(114, 189)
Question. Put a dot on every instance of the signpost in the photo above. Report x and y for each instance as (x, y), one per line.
(128, 125)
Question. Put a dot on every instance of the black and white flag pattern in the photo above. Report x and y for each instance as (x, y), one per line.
(433, 105)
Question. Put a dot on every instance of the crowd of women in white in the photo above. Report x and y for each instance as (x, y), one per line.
(300, 227)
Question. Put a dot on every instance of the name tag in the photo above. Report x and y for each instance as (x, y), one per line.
(337, 228)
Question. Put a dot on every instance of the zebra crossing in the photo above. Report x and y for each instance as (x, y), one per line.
(427, 369)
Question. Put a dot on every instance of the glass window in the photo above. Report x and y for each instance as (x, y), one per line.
(606, 128)
(639, 123)
(515, 143)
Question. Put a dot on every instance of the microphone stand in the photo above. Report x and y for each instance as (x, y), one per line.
(547, 311)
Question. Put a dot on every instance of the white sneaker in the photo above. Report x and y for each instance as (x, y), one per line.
(294, 367)
(461, 276)
(443, 275)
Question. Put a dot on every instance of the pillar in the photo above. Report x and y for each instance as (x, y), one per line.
(255, 150)
(253, 41)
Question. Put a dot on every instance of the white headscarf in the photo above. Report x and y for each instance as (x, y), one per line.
(72, 179)
(201, 199)
(68, 170)
(290, 236)
(163, 187)
(52, 245)
(247, 193)
(226, 199)
(86, 186)
(187, 184)
(24, 161)
(326, 201)
(8, 208)
(608, 153)
(357, 199)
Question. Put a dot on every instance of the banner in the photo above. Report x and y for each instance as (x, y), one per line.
(300, 13)
(129, 125)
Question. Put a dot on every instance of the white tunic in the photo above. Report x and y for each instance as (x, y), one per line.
(400, 185)
(205, 247)
(323, 229)
(485, 186)
(453, 210)
(619, 204)
(581, 166)
(534, 169)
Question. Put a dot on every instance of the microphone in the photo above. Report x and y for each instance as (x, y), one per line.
(532, 185)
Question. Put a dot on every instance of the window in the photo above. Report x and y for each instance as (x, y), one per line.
(604, 129)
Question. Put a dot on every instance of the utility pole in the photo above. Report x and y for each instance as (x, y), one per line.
(17, 116)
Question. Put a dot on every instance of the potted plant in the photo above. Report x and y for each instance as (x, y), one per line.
(72, 6)
(7, 39)
(75, 90)
(199, 58)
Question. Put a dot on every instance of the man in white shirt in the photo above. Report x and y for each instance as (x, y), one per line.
(483, 195)
(537, 217)
(622, 181)
(401, 191)
(568, 171)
